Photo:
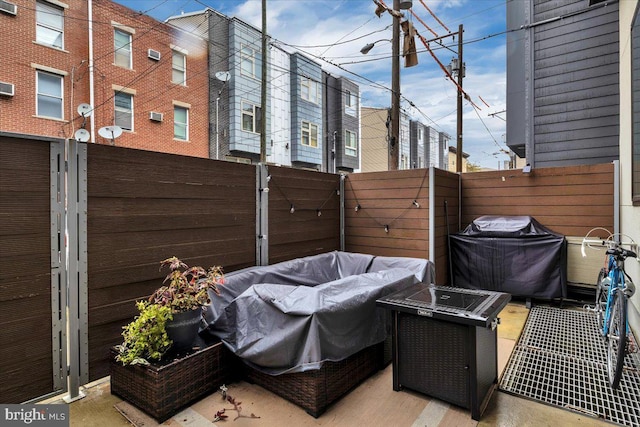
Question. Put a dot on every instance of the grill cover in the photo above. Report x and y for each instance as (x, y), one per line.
(514, 254)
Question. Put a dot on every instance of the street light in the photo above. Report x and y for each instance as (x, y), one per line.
(370, 46)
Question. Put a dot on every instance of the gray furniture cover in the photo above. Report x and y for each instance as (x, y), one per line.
(292, 316)
(514, 254)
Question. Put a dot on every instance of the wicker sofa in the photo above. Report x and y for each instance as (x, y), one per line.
(308, 329)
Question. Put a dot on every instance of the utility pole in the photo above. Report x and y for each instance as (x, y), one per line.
(263, 87)
(459, 125)
(394, 140)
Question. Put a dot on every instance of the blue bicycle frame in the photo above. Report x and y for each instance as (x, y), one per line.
(616, 282)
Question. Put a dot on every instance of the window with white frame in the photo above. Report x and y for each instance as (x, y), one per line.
(179, 68)
(123, 103)
(247, 61)
(251, 117)
(309, 134)
(49, 94)
(350, 143)
(309, 90)
(122, 48)
(181, 123)
(350, 103)
(49, 24)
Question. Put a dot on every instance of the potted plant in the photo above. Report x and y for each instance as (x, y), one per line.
(171, 316)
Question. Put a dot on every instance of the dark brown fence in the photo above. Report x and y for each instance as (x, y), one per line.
(26, 351)
(144, 207)
(314, 225)
(569, 200)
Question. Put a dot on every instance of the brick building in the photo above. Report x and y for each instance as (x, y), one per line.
(149, 78)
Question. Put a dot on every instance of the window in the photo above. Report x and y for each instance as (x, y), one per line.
(350, 144)
(251, 117)
(49, 24)
(49, 95)
(122, 48)
(309, 134)
(350, 103)
(635, 110)
(181, 123)
(179, 68)
(247, 61)
(124, 110)
(309, 90)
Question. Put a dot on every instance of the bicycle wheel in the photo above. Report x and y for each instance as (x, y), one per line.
(602, 291)
(617, 339)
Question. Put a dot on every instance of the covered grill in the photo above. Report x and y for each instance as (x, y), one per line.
(514, 254)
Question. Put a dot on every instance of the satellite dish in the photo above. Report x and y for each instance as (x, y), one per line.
(82, 135)
(223, 76)
(85, 110)
(110, 132)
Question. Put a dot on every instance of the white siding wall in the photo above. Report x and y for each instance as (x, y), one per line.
(280, 136)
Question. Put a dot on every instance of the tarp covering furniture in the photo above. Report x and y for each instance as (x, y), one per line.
(309, 329)
(293, 316)
(514, 254)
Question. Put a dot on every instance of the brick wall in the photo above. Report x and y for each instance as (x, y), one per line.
(151, 81)
(21, 55)
(148, 80)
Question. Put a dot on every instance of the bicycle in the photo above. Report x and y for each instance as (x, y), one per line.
(614, 287)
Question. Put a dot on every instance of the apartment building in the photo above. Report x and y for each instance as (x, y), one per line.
(428, 146)
(45, 51)
(147, 78)
(374, 140)
(451, 161)
(563, 94)
(303, 108)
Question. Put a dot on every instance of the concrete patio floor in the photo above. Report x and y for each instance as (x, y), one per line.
(373, 403)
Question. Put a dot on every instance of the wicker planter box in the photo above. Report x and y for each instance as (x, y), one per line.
(163, 389)
(315, 390)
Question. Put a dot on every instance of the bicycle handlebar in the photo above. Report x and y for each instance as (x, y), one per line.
(613, 247)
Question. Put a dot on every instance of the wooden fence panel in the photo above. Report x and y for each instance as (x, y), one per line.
(303, 232)
(26, 354)
(447, 189)
(386, 198)
(144, 207)
(569, 200)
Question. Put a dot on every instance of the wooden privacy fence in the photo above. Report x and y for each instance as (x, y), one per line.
(395, 213)
(313, 225)
(145, 206)
(569, 200)
(126, 210)
(32, 335)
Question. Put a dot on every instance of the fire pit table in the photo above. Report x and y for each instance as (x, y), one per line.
(445, 342)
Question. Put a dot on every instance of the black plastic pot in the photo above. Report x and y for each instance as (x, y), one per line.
(183, 329)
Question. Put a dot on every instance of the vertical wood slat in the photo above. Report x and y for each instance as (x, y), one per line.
(26, 358)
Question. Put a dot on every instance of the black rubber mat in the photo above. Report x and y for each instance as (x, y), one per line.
(560, 359)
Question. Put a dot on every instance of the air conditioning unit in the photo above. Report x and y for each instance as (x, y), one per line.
(7, 89)
(7, 7)
(154, 54)
(155, 116)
